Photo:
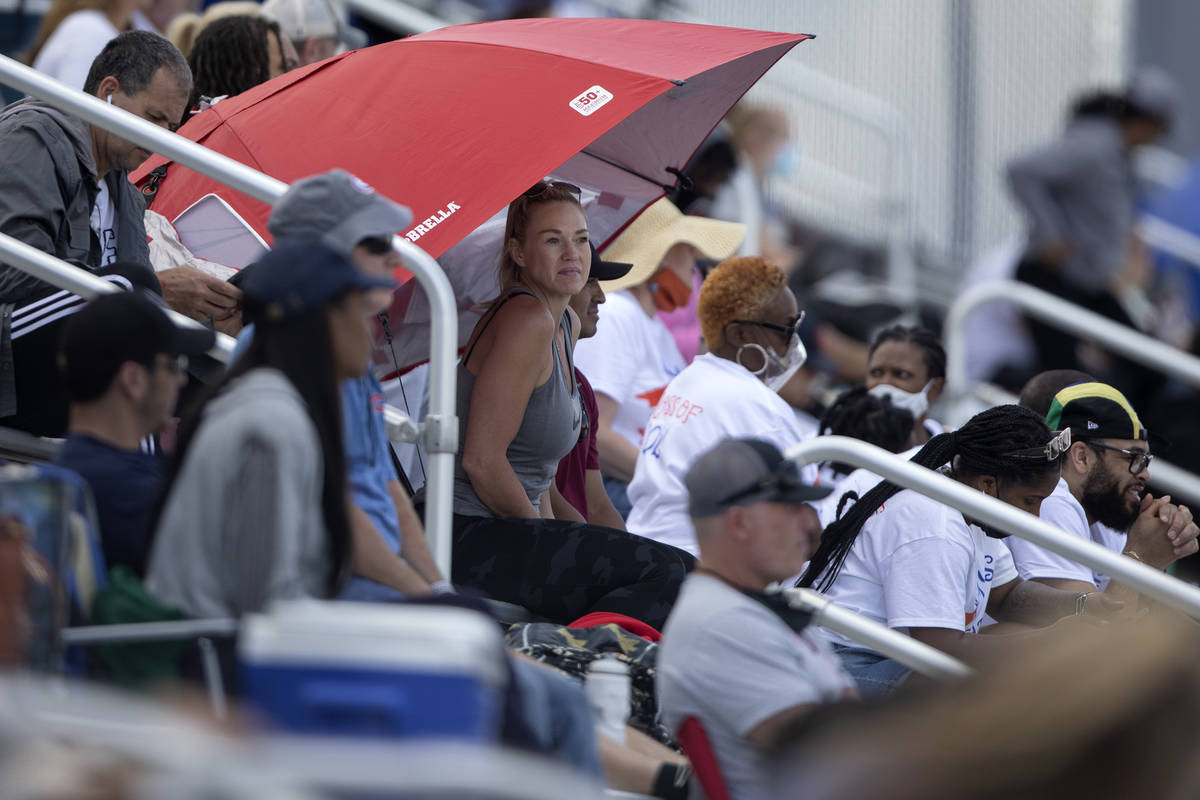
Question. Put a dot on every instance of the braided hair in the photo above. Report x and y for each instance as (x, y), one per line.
(861, 415)
(932, 351)
(1004, 441)
(231, 55)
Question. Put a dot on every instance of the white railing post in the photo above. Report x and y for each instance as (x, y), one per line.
(918, 656)
(983, 508)
(441, 426)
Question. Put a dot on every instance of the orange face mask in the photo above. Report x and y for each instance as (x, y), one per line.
(669, 291)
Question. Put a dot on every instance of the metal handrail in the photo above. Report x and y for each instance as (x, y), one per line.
(920, 657)
(1170, 238)
(440, 427)
(399, 17)
(979, 506)
(53, 270)
(1059, 313)
(144, 632)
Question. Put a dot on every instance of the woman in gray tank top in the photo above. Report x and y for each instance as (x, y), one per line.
(520, 413)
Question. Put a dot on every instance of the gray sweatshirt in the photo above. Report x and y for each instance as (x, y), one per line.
(1079, 189)
(243, 525)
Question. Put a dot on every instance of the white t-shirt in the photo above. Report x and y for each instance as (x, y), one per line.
(918, 564)
(1063, 511)
(859, 482)
(731, 663)
(104, 225)
(711, 400)
(631, 359)
(69, 52)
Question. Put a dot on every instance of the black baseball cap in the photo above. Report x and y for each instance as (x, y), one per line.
(606, 270)
(742, 472)
(127, 326)
(298, 275)
(1095, 411)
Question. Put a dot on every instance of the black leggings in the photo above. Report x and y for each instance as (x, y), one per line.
(563, 570)
(1056, 347)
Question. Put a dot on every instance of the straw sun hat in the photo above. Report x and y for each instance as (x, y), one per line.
(656, 230)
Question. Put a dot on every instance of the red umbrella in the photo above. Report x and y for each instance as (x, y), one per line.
(457, 122)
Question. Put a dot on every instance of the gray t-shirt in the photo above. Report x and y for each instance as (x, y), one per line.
(243, 525)
(731, 663)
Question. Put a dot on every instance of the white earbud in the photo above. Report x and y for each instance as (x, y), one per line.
(110, 99)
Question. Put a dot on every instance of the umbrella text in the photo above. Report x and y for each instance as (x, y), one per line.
(431, 222)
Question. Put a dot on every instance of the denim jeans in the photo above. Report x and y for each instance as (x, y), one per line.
(618, 493)
(876, 674)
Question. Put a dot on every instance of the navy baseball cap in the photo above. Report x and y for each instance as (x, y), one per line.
(299, 275)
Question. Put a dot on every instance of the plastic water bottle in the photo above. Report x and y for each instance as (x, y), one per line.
(608, 690)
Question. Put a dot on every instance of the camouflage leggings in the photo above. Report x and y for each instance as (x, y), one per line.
(562, 570)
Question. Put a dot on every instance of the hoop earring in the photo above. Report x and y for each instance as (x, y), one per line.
(762, 351)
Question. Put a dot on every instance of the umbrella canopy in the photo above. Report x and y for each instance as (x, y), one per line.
(457, 122)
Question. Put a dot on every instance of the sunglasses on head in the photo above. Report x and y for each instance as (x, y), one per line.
(1051, 451)
(541, 187)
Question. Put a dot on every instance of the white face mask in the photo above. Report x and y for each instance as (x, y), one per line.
(776, 371)
(916, 403)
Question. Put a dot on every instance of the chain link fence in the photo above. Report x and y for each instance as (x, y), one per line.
(905, 113)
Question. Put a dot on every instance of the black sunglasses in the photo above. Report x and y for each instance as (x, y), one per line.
(1139, 460)
(788, 331)
(376, 246)
(788, 479)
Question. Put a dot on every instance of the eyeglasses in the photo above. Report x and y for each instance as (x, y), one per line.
(1139, 460)
(788, 331)
(541, 187)
(1052, 450)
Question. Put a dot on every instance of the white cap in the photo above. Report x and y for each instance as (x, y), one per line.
(307, 19)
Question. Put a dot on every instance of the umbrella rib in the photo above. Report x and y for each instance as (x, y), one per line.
(666, 187)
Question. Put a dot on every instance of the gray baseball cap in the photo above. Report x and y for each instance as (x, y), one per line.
(742, 472)
(339, 209)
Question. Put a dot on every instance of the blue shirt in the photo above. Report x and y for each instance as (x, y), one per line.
(124, 484)
(369, 466)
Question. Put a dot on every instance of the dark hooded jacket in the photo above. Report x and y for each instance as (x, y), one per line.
(47, 191)
(47, 194)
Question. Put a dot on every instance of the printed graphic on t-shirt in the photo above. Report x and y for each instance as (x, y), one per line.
(103, 224)
(985, 572)
(651, 397)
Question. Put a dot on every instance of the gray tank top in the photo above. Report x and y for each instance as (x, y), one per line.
(549, 429)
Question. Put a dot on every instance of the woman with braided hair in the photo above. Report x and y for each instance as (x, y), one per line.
(912, 563)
